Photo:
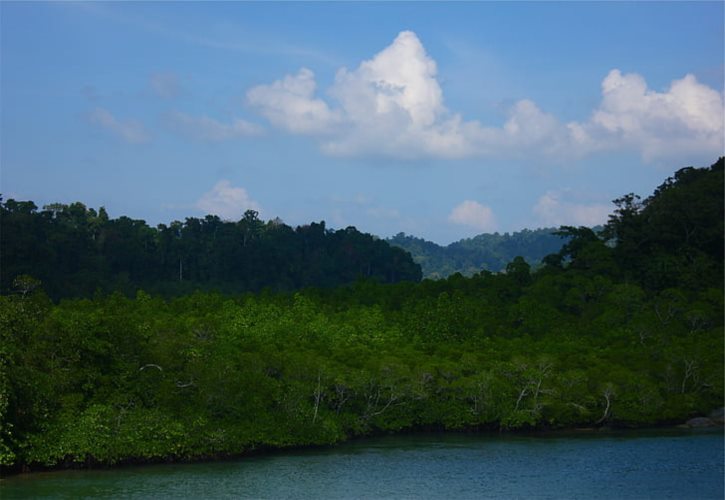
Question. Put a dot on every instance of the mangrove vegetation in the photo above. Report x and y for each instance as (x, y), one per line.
(287, 337)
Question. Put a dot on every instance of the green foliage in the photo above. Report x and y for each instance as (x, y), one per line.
(76, 251)
(117, 379)
(674, 237)
(583, 341)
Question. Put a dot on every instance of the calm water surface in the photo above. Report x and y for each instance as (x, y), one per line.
(657, 465)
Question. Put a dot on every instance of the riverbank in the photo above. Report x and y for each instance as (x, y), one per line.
(90, 463)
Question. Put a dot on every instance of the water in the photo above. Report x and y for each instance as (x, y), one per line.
(661, 465)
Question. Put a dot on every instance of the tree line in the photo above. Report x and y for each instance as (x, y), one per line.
(75, 251)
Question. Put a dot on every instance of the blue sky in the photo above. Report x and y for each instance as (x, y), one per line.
(440, 120)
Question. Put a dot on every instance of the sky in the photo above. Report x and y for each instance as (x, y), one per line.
(440, 120)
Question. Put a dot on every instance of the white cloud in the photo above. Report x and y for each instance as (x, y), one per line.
(289, 104)
(688, 117)
(227, 201)
(399, 82)
(393, 105)
(165, 85)
(207, 129)
(131, 131)
(554, 209)
(473, 214)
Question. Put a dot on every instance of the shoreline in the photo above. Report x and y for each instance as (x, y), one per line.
(568, 432)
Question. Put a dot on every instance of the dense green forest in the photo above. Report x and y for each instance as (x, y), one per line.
(622, 327)
(491, 252)
(76, 251)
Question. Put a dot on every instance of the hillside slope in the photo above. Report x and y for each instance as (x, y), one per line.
(491, 252)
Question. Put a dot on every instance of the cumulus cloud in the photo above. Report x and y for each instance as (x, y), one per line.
(473, 214)
(131, 131)
(555, 209)
(393, 105)
(165, 85)
(290, 104)
(227, 201)
(688, 117)
(207, 129)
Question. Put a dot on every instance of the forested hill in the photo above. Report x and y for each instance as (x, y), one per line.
(674, 238)
(75, 251)
(486, 251)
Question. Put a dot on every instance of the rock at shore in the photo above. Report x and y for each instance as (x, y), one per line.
(700, 422)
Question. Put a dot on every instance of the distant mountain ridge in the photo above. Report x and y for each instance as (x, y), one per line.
(483, 252)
